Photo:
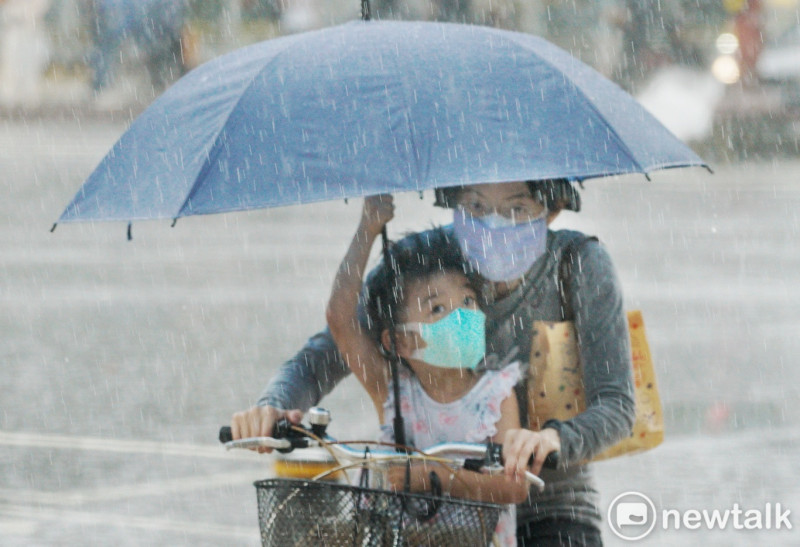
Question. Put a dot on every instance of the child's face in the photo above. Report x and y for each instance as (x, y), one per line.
(429, 300)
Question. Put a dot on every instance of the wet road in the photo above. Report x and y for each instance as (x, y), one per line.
(120, 359)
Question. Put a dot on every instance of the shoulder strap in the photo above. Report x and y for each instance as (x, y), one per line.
(567, 264)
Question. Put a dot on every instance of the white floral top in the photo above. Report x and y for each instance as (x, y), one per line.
(472, 418)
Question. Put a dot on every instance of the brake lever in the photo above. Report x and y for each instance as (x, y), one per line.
(494, 456)
(281, 445)
(492, 463)
(285, 430)
(285, 438)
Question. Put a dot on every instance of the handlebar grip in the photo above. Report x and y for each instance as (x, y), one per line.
(284, 440)
(282, 429)
(551, 461)
(495, 454)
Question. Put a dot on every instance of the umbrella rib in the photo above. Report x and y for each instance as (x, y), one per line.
(589, 101)
(215, 143)
(411, 136)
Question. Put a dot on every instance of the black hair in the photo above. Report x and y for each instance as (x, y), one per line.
(416, 257)
(555, 194)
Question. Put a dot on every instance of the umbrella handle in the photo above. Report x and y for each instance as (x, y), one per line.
(397, 424)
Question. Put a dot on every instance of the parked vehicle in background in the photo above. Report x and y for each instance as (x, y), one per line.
(779, 63)
(760, 112)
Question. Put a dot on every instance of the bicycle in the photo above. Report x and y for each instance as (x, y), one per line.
(294, 512)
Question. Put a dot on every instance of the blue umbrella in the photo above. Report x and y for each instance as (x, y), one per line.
(369, 108)
(372, 107)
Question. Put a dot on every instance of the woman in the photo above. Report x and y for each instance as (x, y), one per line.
(517, 263)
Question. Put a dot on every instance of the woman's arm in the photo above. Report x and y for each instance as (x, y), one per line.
(358, 349)
(302, 381)
(596, 298)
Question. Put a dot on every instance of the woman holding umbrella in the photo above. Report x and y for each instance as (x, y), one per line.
(520, 281)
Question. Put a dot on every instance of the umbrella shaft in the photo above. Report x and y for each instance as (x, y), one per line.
(399, 427)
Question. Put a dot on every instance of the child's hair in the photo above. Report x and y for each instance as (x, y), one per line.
(418, 257)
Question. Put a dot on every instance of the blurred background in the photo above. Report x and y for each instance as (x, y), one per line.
(121, 359)
(723, 75)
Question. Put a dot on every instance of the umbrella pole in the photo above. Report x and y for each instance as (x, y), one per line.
(399, 427)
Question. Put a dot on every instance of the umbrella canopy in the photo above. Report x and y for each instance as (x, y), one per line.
(372, 107)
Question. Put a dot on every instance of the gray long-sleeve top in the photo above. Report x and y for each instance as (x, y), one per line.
(595, 298)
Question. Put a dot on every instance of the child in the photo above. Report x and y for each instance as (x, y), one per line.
(440, 336)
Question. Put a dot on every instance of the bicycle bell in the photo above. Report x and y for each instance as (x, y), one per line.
(319, 418)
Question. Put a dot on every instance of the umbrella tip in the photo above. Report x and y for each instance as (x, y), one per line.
(174, 222)
(53, 229)
(130, 234)
(708, 168)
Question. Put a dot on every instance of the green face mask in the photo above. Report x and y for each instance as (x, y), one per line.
(455, 341)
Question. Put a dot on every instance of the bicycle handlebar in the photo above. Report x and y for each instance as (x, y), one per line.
(485, 458)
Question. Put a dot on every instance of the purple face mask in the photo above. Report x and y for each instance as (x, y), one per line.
(496, 247)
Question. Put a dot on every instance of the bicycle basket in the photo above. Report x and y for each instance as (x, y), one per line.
(294, 512)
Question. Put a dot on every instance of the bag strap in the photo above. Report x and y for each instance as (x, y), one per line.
(521, 393)
(566, 266)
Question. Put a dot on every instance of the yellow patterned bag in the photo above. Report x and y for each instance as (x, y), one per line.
(555, 385)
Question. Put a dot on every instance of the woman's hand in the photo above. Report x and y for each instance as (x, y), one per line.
(258, 421)
(377, 212)
(520, 444)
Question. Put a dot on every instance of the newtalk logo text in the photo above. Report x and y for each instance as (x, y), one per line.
(633, 516)
(770, 518)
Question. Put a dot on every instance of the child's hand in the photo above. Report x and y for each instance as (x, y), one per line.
(519, 445)
(377, 212)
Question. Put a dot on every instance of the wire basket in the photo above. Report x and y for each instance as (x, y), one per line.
(295, 512)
